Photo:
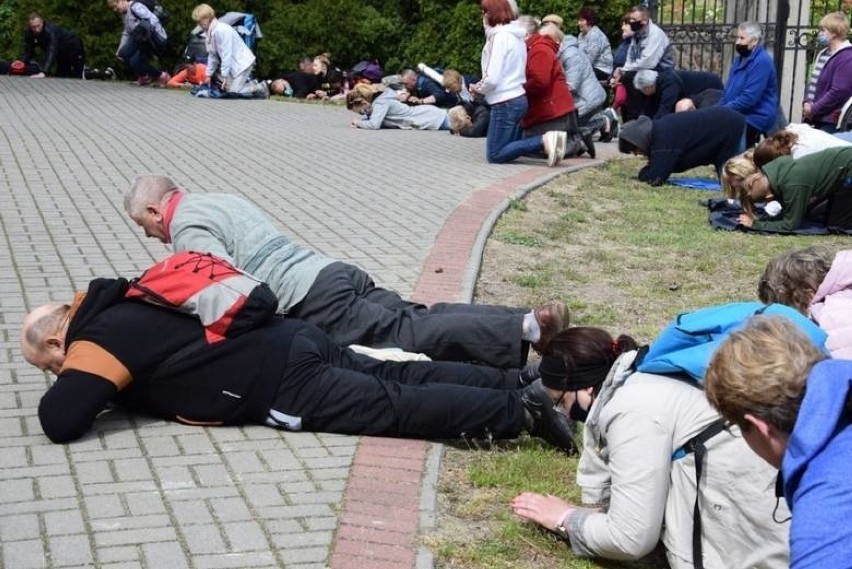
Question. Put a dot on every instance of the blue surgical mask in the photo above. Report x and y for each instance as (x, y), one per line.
(822, 39)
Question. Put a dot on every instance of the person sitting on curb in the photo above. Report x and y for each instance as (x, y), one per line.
(681, 141)
(228, 57)
(339, 298)
(793, 405)
(817, 282)
(284, 373)
(636, 474)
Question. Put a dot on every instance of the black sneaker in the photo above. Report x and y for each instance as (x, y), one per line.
(547, 422)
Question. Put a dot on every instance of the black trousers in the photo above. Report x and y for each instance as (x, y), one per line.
(326, 388)
(346, 304)
(840, 207)
(70, 60)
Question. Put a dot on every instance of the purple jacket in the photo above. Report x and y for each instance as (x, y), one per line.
(834, 87)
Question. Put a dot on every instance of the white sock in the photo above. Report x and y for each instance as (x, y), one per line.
(531, 331)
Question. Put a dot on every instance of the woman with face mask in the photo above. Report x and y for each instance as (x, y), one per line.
(639, 488)
(830, 84)
(752, 87)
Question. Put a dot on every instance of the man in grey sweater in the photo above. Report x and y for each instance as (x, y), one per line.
(339, 298)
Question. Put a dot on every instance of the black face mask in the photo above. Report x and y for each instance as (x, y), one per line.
(743, 50)
(577, 413)
(636, 26)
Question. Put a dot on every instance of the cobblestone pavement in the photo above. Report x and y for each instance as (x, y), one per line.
(144, 493)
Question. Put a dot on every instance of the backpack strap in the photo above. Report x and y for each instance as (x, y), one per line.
(696, 445)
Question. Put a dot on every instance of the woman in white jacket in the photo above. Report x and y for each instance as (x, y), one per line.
(380, 108)
(227, 54)
(504, 62)
(639, 486)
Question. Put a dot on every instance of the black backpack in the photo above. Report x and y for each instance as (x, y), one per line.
(156, 7)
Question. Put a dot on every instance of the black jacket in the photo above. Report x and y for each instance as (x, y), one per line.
(681, 141)
(480, 115)
(675, 85)
(116, 349)
(53, 40)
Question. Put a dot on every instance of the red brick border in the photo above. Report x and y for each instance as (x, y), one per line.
(381, 514)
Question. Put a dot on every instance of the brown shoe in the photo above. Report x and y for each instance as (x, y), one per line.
(552, 318)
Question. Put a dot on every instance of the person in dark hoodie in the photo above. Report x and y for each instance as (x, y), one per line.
(681, 141)
(281, 372)
(469, 120)
(64, 55)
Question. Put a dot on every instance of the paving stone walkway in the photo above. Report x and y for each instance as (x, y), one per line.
(409, 207)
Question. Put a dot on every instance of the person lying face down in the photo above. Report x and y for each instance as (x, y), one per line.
(284, 373)
(637, 481)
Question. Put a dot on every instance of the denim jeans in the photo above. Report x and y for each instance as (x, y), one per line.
(503, 142)
(137, 58)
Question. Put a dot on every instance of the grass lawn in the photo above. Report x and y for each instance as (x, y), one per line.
(624, 256)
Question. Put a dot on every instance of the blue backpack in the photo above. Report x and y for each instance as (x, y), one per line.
(687, 344)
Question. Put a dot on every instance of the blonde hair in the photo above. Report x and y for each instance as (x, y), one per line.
(458, 118)
(362, 93)
(793, 278)
(203, 12)
(452, 80)
(740, 167)
(761, 370)
(836, 23)
(552, 31)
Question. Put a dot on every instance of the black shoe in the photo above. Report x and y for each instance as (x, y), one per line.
(546, 421)
(589, 144)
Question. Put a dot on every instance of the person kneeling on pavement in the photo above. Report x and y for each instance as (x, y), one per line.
(681, 141)
(285, 373)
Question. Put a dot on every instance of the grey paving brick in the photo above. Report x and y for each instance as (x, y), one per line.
(70, 550)
(140, 489)
(165, 555)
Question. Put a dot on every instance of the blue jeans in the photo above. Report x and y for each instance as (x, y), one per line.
(137, 58)
(503, 142)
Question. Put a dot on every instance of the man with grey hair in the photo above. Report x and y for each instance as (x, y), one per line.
(421, 90)
(662, 90)
(752, 87)
(339, 298)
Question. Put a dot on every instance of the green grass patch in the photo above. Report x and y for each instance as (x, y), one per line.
(624, 256)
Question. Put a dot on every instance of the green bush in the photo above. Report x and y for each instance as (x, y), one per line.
(399, 33)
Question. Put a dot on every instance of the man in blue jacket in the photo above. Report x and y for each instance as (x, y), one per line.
(681, 141)
(752, 87)
(794, 406)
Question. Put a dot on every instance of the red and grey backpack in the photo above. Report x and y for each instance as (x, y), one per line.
(225, 299)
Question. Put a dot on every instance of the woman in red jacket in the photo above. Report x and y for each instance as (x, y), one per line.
(551, 106)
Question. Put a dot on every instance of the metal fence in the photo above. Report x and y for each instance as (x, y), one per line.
(702, 34)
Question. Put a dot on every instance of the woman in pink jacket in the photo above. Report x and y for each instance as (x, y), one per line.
(817, 282)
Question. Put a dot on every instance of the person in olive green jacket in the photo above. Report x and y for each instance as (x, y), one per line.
(798, 185)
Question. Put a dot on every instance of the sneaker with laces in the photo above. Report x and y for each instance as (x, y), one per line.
(545, 420)
(109, 73)
(550, 140)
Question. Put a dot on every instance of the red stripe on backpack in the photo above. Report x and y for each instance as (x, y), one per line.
(225, 299)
